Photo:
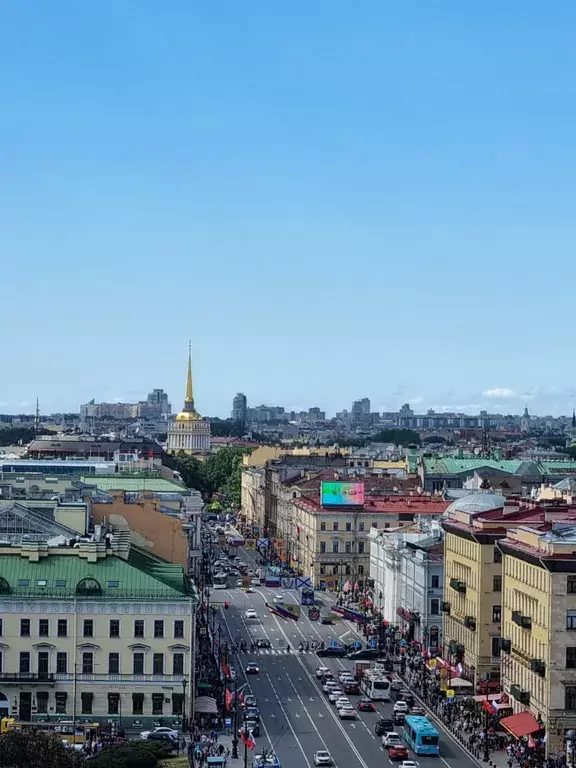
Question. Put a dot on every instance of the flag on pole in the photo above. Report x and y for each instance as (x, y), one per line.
(248, 740)
(531, 743)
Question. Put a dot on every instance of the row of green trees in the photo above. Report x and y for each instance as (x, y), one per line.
(221, 472)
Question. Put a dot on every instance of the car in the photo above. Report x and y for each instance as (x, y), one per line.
(251, 614)
(405, 696)
(383, 725)
(263, 642)
(347, 713)
(248, 589)
(417, 711)
(241, 564)
(250, 701)
(326, 620)
(322, 757)
(252, 668)
(249, 726)
(351, 686)
(334, 651)
(408, 764)
(344, 674)
(239, 583)
(401, 706)
(391, 739)
(328, 685)
(367, 654)
(343, 702)
(399, 718)
(256, 582)
(320, 671)
(365, 705)
(173, 733)
(327, 676)
(334, 694)
(278, 599)
(395, 685)
(399, 752)
(163, 737)
(252, 713)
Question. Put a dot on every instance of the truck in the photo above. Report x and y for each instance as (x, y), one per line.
(359, 668)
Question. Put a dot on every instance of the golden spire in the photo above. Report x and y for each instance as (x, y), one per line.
(189, 399)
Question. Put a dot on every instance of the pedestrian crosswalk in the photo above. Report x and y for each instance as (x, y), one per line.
(280, 652)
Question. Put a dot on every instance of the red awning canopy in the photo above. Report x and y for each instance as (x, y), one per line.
(520, 724)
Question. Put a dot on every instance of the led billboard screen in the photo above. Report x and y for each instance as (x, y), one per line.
(342, 494)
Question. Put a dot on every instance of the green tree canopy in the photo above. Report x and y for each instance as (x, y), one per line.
(35, 748)
(220, 473)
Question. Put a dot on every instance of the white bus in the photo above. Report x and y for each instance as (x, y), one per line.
(375, 685)
(219, 581)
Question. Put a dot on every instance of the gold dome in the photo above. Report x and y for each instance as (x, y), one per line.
(188, 416)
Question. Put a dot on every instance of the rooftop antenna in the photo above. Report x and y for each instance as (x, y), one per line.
(37, 418)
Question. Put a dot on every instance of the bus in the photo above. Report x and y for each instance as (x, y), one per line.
(375, 685)
(421, 736)
(219, 581)
(307, 596)
(84, 731)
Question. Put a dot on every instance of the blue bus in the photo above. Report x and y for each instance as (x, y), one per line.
(307, 595)
(421, 736)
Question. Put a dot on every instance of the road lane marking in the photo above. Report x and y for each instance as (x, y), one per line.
(298, 742)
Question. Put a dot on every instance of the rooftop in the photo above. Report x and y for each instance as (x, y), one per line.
(451, 465)
(392, 505)
(134, 483)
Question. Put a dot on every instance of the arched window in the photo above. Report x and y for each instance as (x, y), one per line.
(88, 587)
(4, 587)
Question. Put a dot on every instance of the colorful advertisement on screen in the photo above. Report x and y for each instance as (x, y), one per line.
(342, 494)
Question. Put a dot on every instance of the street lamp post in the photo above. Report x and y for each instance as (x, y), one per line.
(235, 738)
(184, 684)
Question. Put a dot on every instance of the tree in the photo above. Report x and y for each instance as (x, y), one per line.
(220, 473)
(35, 748)
(131, 754)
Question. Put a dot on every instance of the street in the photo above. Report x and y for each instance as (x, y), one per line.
(296, 716)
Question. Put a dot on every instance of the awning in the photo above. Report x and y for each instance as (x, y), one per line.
(521, 724)
(459, 682)
(490, 697)
(206, 705)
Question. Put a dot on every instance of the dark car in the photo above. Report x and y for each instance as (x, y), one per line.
(326, 620)
(334, 651)
(263, 642)
(252, 668)
(252, 713)
(384, 725)
(250, 700)
(405, 696)
(366, 654)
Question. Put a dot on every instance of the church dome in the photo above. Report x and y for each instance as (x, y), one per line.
(188, 416)
(476, 502)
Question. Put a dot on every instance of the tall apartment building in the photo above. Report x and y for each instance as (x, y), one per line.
(239, 407)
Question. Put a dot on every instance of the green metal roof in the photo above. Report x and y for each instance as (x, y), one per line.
(62, 573)
(449, 465)
(170, 574)
(412, 460)
(132, 484)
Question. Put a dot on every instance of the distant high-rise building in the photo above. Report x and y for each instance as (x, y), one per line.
(361, 407)
(159, 399)
(239, 407)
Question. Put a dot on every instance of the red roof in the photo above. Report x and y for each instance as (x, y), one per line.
(521, 724)
(391, 505)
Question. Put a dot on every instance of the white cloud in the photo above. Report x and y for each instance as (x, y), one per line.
(500, 392)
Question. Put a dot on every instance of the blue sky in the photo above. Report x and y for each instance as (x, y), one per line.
(332, 200)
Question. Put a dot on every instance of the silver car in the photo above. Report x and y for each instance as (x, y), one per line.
(322, 757)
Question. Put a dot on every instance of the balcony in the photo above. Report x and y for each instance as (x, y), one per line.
(538, 666)
(458, 586)
(29, 678)
(505, 645)
(83, 677)
(523, 697)
(522, 621)
(470, 622)
(445, 607)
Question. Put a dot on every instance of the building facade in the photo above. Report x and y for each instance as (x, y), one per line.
(253, 497)
(87, 633)
(189, 432)
(239, 408)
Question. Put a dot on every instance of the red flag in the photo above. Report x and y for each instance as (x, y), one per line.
(151, 453)
(241, 697)
(228, 698)
(248, 740)
(225, 669)
(531, 743)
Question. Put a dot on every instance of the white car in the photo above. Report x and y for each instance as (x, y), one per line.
(343, 703)
(347, 713)
(322, 757)
(278, 599)
(408, 764)
(251, 614)
(335, 694)
(239, 583)
(170, 731)
(345, 675)
(391, 739)
(401, 706)
(320, 672)
(328, 685)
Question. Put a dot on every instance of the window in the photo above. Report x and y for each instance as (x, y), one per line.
(497, 583)
(570, 697)
(60, 582)
(158, 664)
(88, 628)
(157, 703)
(177, 703)
(570, 619)
(62, 627)
(43, 628)
(87, 700)
(87, 663)
(322, 547)
(348, 526)
(1, 627)
(360, 570)
(113, 584)
(23, 582)
(360, 547)
(335, 547)
(571, 584)
(435, 606)
(348, 547)
(61, 697)
(113, 703)
(24, 662)
(360, 527)
(178, 664)
(335, 570)
(24, 627)
(137, 703)
(179, 628)
(114, 627)
(113, 663)
(138, 664)
(43, 663)
(374, 525)
(42, 702)
(435, 584)
(41, 583)
(61, 663)
(139, 628)
(496, 614)
(322, 570)
(335, 525)
(497, 555)
(571, 658)
(496, 648)
(159, 628)
(322, 526)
